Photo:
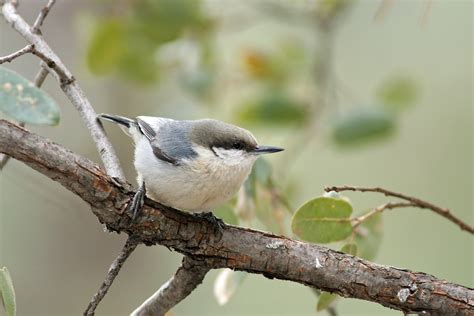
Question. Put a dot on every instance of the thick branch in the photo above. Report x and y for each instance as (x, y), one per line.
(446, 213)
(68, 83)
(114, 270)
(236, 248)
(186, 279)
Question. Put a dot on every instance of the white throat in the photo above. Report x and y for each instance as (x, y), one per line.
(232, 157)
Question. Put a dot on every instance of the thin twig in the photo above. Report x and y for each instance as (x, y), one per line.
(18, 53)
(38, 82)
(189, 275)
(41, 17)
(446, 213)
(114, 269)
(68, 84)
(379, 209)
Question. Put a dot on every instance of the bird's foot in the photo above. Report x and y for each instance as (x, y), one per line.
(136, 204)
(217, 223)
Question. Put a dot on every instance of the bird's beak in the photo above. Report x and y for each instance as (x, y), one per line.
(266, 150)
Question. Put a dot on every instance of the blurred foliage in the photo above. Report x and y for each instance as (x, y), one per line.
(368, 237)
(7, 292)
(350, 248)
(227, 214)
(397, 93)
(262, 199)
(128, 42)
(273, 107)
(24, 102)
(363, 125)
(325, 300)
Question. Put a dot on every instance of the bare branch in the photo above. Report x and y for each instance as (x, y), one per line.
(446, 213)
(41, 17)
(18, 53)
(186, 279)
(38, 82)
(236, 247)
(114, 270)
(70, 87)
(391, 205)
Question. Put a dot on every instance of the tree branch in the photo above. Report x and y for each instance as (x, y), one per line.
(18, 53)
(379, 209)
(190, 274)
(41, 17)
(236, 248)
(446, 213)
(68, 83)
(114, 270)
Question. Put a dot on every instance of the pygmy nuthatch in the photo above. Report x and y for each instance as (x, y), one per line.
(189, 165)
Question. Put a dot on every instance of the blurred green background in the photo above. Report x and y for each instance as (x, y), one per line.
(370, 93)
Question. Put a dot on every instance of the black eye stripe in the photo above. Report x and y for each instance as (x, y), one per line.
(237, 145)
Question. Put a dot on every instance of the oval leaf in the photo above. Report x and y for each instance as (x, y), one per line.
(24, 102)
(323, 220)
(7, 292)
(226, 284)
(363, 125)
(273, 107)
(325, 300)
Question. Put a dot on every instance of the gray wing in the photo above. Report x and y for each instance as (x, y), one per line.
(169, 140)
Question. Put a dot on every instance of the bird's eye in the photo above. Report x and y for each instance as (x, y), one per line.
(237, 146)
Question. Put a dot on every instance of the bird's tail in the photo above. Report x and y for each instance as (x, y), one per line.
(122, 120)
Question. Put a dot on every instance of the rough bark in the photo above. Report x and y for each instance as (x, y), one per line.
(236, 248)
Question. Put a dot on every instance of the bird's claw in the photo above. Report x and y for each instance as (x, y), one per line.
(217, 223)
(137, 202)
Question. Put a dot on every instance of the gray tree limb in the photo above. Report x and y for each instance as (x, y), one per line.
(236, 247)
(68, 83)
(189, 275)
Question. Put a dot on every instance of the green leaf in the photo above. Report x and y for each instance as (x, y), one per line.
(106, 46)
(226, 285)
(227, 214)
(350, 249)
(323, 220)
(165, 20)
(363, 125)
(325, 300)
(24, 102)
(397, 92)
(7, 292)
(369, 237)
(273, 107)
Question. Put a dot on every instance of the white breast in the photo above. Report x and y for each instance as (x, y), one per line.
(196, 185)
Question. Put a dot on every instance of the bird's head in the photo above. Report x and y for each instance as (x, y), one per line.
(232, 144)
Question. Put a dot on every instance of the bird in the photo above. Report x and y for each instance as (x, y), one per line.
(189, 165)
